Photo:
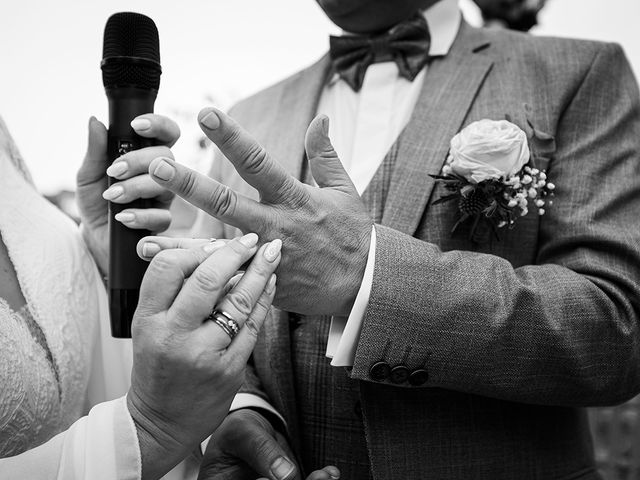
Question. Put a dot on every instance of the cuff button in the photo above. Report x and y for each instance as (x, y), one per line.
(399, 374)
(380, 371)
(418, 377)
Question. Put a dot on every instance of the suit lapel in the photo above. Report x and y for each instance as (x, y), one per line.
(296, 107)
(450, 86)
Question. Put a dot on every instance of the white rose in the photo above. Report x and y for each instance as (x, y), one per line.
(489, 149)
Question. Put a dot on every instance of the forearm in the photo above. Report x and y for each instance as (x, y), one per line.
(539, 334)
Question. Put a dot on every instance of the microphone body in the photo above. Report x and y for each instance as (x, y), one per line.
(126, 269)
(131, 77)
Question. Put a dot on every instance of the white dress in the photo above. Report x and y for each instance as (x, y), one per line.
(57, 357)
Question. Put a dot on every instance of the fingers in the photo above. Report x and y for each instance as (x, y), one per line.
(260, 450)
(165, 277)
(141, 186)
(148, 247)
(203, 288)
(205, 193)
(161, 128)
(153, 219)
(327, 473)
(241, 347)
(136, 162)
(249, 158)
(239, 302)
(325, 165)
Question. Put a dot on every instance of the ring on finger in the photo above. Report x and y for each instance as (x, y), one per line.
(225, 322)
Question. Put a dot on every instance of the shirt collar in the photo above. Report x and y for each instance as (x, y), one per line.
(444, 20)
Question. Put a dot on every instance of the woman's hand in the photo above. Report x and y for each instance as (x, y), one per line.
(186, 368)
(133, 182)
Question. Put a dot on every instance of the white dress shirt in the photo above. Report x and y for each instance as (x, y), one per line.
(363, 126)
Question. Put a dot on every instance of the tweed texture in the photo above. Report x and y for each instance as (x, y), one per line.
(517, 335)
(328, 399)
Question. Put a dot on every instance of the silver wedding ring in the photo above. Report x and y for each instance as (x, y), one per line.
(225, 322)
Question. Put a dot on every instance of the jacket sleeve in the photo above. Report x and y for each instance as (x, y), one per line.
(563, 331)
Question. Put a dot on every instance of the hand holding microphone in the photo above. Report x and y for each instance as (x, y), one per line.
(136, 136)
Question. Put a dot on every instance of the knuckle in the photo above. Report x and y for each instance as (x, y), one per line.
(241, 301)
(231, 139)
(206, 280)
(222, 200)
(164, 261)
(255, 159)
(188, 184)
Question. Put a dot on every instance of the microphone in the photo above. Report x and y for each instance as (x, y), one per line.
(131, 77)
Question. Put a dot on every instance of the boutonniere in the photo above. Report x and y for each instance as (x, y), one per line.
(490, 172)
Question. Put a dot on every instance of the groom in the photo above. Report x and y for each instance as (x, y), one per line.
(465, 358)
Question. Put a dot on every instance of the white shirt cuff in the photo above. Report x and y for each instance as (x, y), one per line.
(344, 333)
(246, 400)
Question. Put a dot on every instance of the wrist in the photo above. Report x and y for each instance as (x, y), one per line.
(160, 451)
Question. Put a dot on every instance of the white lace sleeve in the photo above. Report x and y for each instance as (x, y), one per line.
(8, 145)
(91, 449)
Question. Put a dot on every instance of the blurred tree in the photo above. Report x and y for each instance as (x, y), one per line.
(519, 15)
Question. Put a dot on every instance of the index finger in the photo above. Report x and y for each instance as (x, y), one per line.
(250, 159)
(152, 125)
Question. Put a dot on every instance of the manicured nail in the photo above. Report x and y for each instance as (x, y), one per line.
(213, 246)
(117, 168)
(164, 170)
(149, 249)
(113, 192)
(272, 283)
(281, 468)
(140, 124)
(272, 250)
(125, 217)
(211, 120)
(249, 240)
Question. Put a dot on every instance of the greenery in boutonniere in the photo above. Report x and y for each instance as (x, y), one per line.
(491, 175)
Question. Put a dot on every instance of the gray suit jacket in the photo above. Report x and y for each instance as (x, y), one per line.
(516, 335)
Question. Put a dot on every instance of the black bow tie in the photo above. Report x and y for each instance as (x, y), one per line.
(407, 44)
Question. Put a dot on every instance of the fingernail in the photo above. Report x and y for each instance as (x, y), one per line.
(164, 170)
(211, 120)
(150, 249)
(281, 468)
(249, 240)
(213, 246)
(113, 192)
(325, 125)
(273, 249)
(125, 217)
(140, 124)
(117, 168)
(272, 283)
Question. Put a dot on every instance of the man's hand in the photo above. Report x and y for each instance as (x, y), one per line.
(246, 446)
(326, 231)
(132, 171)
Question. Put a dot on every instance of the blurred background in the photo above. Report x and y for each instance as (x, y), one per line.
(215, 52)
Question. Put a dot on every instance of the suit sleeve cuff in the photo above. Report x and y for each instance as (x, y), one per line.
(344, 333)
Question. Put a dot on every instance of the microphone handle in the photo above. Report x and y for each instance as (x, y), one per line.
(126, 269)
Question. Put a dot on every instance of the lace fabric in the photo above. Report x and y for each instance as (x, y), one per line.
(46, 348)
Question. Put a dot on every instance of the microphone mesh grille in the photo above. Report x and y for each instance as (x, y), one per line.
(129, 34)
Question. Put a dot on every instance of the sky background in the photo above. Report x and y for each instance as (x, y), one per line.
(212, 52)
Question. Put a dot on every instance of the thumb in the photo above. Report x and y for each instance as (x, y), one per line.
(325, 165)
(261, 450)
(95, 161)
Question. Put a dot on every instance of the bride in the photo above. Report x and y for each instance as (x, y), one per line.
(57, 358)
